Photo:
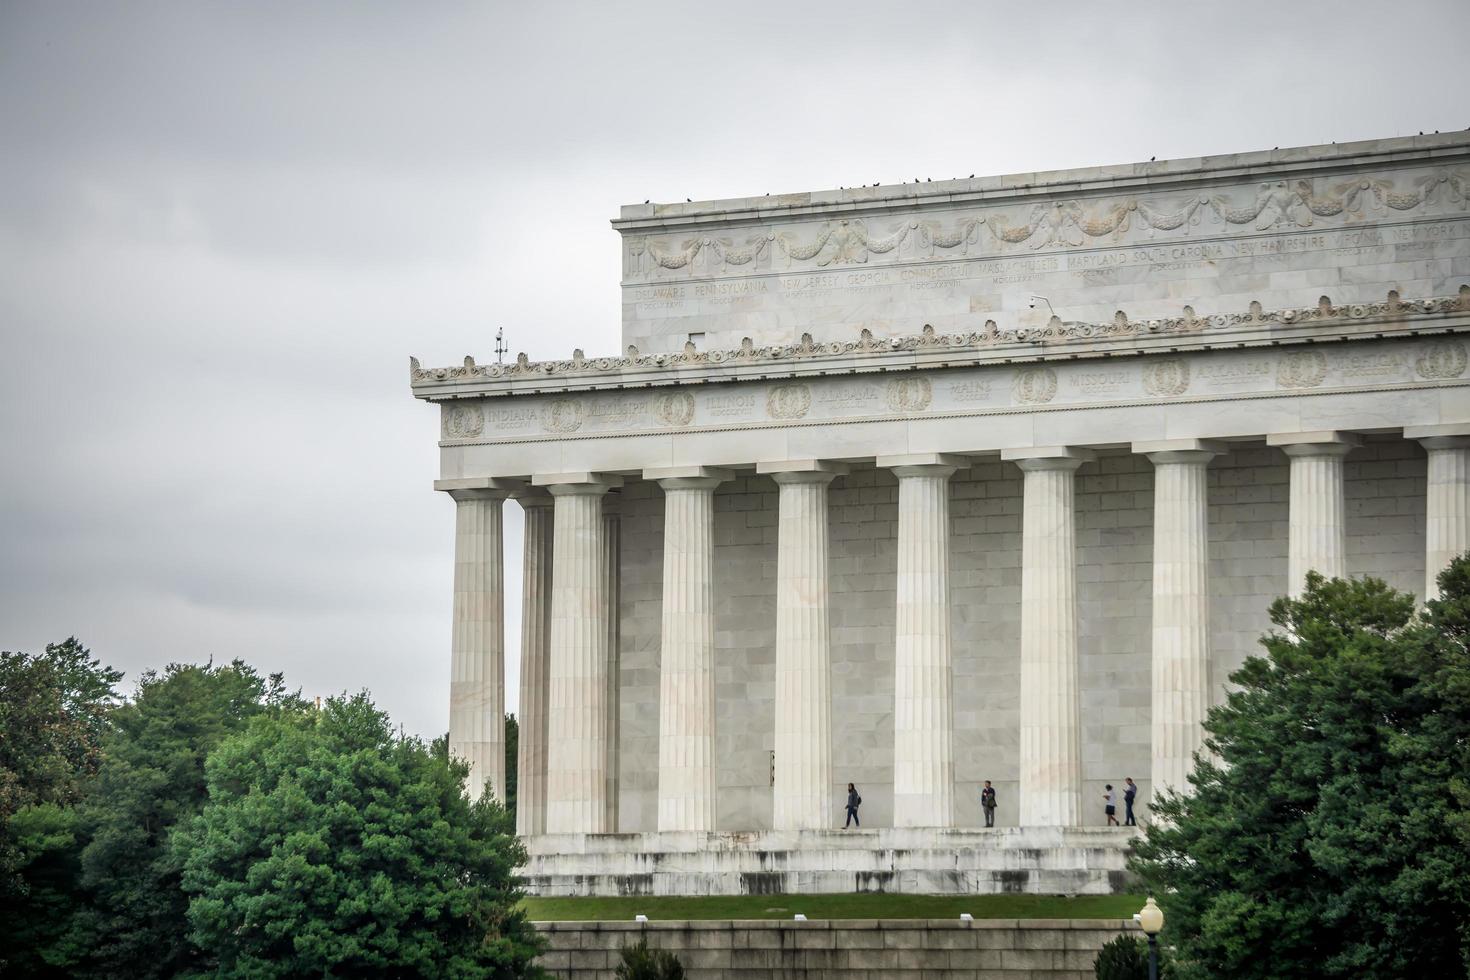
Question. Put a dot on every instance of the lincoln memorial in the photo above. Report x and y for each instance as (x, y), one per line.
(922, 485)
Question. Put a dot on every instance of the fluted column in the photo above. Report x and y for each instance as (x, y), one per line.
(612, 553)
(686, 728)
(1051, 737)
(576, 763)
(923, 712)
(477, 646)
(1447, 505)
(803, 790)
(1181, 607)
(1316, 532)
(535, 663)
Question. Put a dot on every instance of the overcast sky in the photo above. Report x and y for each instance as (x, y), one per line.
(225, 227)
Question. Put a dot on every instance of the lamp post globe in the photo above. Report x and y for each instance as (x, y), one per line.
(1151, 919)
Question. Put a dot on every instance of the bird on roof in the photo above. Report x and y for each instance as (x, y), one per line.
(689, 200)
(1151, 159)
(972, 176)
(645, 200)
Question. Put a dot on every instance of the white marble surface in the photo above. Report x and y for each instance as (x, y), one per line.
(1448, 514)
(1181, 606)
(1051, 713)
(923, 706)
(535, 662)
(477, 656)
(1317, 534)
(1350, 220)
(686, 739)
(801, 797)
(576, 776)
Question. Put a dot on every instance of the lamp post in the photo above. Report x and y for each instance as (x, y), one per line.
(1151, 918)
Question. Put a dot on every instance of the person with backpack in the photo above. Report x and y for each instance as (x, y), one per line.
(853, 802)
(987, 803)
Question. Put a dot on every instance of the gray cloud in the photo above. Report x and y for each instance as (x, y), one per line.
(223, 228)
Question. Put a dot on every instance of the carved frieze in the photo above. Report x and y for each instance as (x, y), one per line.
(1302, 369)
(788, 402)
(1035, 385)
(1441, 359)
(1273, 205)
(463, 421)
(1167, 378)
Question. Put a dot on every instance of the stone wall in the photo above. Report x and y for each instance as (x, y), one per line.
(1351, 220)
(1003, 949)
(1248, 492)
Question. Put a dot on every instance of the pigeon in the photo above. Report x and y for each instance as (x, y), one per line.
(972, 176)
(1151, 159)
(645, 200)
(689, 200)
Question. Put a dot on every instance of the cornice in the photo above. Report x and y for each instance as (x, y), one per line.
(929, 349)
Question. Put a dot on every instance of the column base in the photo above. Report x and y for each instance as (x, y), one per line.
(914, 861)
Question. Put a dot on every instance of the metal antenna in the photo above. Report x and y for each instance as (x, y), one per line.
(500, 347)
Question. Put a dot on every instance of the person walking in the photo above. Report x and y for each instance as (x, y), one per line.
(1130, 793)
(987, 803)
(853, 802)
(1110, 801)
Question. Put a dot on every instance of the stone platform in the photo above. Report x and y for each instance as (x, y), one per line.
(1033, 860)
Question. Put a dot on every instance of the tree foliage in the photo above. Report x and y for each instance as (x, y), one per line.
(1326, 833)
(639, 962)
(151, 780)
(1126, 958)
(54, 708)
(331, 847)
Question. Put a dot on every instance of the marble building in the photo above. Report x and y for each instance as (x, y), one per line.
(916, 486)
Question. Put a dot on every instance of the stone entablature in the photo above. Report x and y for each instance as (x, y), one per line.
(952, 253)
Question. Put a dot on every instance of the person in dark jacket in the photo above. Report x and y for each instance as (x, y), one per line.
(1130, 793)
(987, 803)
(853, 802)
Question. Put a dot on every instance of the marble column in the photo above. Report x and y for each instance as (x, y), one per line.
(612, 556)
(535, 664)
(802, 797)
(1447, 504)
(923, 712)
(686, 728)
(576, 757)
(1181, 606)
(1316, 532)
(477, 646)
(1051, 725)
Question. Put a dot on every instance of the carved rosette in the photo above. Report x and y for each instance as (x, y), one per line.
(463, 421)
(909, 395)
(788, 402)
(1441, 359)
(1035, 386)
(1302, 369)
(1166, 379)
(675, 409)
(564, 415)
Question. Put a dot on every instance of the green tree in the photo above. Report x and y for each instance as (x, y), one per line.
(54, 708)
(150, 781)
(1322, 837)
(331, 847)
(512, 757)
